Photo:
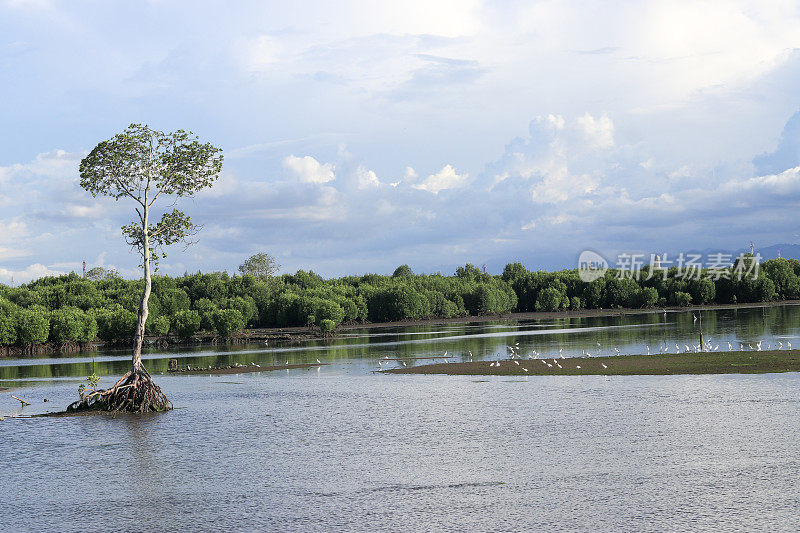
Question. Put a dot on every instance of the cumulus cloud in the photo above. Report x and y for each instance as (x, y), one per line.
(308, 170)
(447, 178)
(787, 154)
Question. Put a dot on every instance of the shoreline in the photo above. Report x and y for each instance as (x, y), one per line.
(238, 369)
(736, 362)
(297, 334)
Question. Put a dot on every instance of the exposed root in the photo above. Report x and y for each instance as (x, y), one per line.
(135, 392)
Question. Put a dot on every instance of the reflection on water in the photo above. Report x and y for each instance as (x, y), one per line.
(338, 448)
(359, 350)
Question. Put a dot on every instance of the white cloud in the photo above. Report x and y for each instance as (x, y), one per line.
(309, 170)
(366, 178)
(599, 133)
(447, 178)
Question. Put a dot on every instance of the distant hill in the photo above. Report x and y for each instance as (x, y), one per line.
(787, 251)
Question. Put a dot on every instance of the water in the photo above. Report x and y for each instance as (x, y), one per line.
(340, 448)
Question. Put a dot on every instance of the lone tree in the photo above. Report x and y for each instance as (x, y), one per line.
(146, 166)
(260, 265)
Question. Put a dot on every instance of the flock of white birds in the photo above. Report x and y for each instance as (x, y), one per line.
(514, 356)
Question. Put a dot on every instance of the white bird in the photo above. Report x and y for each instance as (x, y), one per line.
(780, 345)
(598, 344)
(577, 366)
(694, 317)
(516, 362)
(525, 369)
(559, 366)
(318, 361)
(789, 345)
(687, 347)
(404, 363)
(730, 348)
(491, 364)
(543, 361)
(603, 365)
(549, 365)
(616, 350)
(287, 362)
(445, 354)
(750, 345)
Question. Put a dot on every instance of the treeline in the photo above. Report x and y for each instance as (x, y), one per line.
(70, 308)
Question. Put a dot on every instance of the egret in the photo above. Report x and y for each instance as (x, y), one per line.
(543, 361)
(525, 369)
(598, 344)
(559, 366)
(549, 365)
(604, 365)
(694, 317)
(789, 345)
(730, 348)
(750, 345)
(404, 363)
(578, 366)
(287, 362)
(517, 363)
(318, 361)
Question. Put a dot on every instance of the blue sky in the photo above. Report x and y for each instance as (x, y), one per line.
(360, 135)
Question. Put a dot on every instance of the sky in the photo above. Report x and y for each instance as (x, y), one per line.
(361, 135)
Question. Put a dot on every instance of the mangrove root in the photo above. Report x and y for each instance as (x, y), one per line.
(135, 392)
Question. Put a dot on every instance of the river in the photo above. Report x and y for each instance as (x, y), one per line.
(338, 447)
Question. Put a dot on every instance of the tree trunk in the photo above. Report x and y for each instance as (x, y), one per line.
(138, 367)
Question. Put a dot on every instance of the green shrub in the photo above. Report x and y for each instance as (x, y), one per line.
(8, 330)
(327, 326)
(33, 326)
(647, 297)
(228, 322)
(186, 323)
(67, 325)
(116, 323)
(683, 298)
(158, 325)
(549, 299)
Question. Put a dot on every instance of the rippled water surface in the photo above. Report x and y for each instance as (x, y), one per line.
(337, 447)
